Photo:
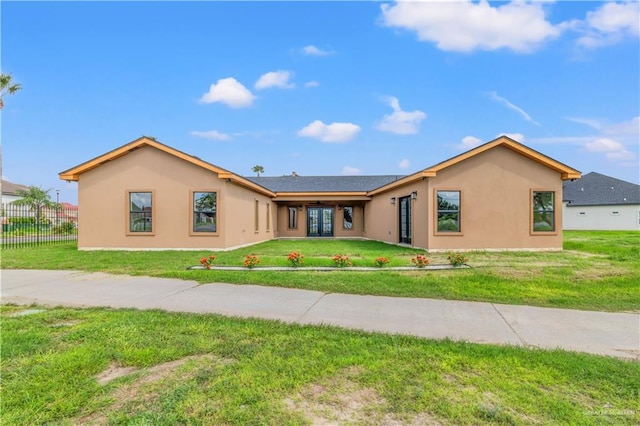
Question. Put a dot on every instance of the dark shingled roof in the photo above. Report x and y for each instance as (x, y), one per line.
(323, 183)
(595, 189)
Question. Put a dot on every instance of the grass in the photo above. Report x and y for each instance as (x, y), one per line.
(598, 270)
(207, 369)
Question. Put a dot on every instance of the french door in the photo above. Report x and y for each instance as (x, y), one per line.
(404, 218)
(320, 222)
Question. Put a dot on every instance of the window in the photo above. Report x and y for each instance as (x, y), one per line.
(268, 217)
(293, 218)
(256, 218)
(544, 211)
(448, 211)
(140, 212)
(347, 214)
(205, 211)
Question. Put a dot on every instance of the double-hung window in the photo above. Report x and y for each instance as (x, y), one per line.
(448, 214)
(204, 207)
(543, 211)
(140, 212)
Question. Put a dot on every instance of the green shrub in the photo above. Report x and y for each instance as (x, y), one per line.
(64, 228)
(456, 259)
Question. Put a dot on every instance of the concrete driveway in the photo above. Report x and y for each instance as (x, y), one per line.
(603, 333)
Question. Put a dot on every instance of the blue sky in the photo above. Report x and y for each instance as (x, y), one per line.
(320, 88)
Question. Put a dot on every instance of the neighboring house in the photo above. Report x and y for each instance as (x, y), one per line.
(601, 202)
(9, 190)
(147, 195)
(66, 212)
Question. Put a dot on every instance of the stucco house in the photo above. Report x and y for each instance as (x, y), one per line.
(9, 191)
(146, 195)
(600, 202)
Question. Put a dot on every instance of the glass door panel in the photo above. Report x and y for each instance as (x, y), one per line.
(320, 222)
(404, 218)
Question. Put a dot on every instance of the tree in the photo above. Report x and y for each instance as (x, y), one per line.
(258, 169)
(7, 87)
(36, 199)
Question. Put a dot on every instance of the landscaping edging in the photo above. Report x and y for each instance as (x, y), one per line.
(327, 268)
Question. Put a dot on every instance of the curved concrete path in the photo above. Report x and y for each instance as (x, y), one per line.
(613, 334)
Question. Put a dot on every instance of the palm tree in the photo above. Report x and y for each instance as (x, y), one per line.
(7, 87)
(258, 169)
(36, 199)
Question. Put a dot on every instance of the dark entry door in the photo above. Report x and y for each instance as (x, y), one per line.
(320, 222)
(405, 219)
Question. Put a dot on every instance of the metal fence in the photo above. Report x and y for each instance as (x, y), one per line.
(24, 226)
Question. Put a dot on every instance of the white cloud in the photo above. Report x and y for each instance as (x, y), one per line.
(401, 122)
(629, 128)
(494, 96)
(279, 79)
(465, 26)
(623, 155)
(404, 164)
(312, 50)
(230, 92)
(350, 171)
(469, 142)
(604, 145)
(311, 84)
(613, 150)
(518, 137)
(595, 124)
(334, 132)
(610, 24)
(211, 134)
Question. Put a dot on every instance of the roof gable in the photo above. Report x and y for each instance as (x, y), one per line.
(73, 174)
(565, 171)
(595, 189)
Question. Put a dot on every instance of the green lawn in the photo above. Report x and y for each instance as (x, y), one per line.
(207, 369)
(596, 271)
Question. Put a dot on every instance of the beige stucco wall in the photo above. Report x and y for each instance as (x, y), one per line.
(382, 217)
(496, 190)
(283, 230)
(496, 202)
(495, 208)
(102, 196)
(339, 231)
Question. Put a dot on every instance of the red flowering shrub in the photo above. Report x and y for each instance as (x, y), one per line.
(295, 258)
(381, 261)
(251, 260)
(207, 261)
(341, 261)
(420, 261)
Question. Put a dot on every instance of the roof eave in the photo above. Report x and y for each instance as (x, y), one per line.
(571, 175)
(74, 173)
(421, 175)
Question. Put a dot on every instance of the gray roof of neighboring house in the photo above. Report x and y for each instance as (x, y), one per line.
(594, 189)
(10, 188)
(323, 183)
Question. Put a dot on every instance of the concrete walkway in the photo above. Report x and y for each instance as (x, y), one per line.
(613, 334)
